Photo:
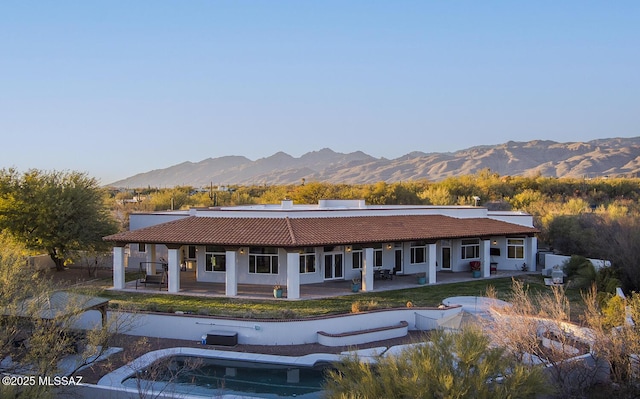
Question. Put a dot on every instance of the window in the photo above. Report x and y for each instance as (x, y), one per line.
(356, 257)
(471, 249)
(142, 247)
(377, 257)
(308, 261)
(263, 260)
(418, 252)
(515, 248)
(192, 252)
(215, 259)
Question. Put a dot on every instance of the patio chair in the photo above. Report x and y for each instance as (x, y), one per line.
(160, 279)
(387, 274)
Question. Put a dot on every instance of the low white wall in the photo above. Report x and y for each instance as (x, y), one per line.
(41, 262)
(551, 260)
(363, 336)
(267, 332)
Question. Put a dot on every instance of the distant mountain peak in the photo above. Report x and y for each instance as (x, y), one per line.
(615, 156)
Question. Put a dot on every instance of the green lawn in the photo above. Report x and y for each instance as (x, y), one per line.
(246, 308)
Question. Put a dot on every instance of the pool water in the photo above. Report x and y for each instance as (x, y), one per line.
(214, 376)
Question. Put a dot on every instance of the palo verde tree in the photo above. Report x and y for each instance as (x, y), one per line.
(461, 365)
(38, 329)
(537, 326)
(56, 212)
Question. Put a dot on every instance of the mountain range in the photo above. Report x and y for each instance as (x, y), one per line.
(602, 157)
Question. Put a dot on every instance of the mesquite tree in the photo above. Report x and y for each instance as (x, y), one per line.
(56, 212)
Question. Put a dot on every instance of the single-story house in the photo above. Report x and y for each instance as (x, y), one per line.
(293, 245)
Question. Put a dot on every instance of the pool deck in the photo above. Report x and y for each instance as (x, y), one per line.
(116, 377)
(114, 381)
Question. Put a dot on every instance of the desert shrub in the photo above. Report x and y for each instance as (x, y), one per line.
(363, 306)
(613, 312)
(462, 365)
(287, 314)
(607, 280)
(580, 272)
(575, 264)
(152, 307)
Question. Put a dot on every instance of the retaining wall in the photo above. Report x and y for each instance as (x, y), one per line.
(269, 332)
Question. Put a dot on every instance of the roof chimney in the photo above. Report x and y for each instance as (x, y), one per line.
(287, 203)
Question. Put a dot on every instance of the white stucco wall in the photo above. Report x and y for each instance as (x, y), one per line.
(519, 218)
(267, 332)
(305, 211)
(551, 260)
(140, 220)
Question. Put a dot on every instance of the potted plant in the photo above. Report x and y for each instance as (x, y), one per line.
(277, 291)
(475, 268)
(355, 285)
(422, 278)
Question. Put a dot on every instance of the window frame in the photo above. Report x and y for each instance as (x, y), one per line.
(304, 261)
(191, 252)
(356, 254)
(417, 250)
(213, 252)
(377, 256)
(470, 244)
(261, 257)
(516, 248)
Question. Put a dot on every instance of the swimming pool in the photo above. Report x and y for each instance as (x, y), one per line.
(194, 375)
(212, 373)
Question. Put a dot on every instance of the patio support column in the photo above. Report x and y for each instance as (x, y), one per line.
(485, 256)
(293, 275)
(231, 275)
(431, 275)
(531, 249)
(174, 270)
(118, 267)
(151, 257)
(367, 270)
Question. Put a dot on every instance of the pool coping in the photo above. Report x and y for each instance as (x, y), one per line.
(116, 377)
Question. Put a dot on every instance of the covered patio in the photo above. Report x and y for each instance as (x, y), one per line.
(190, 287)
(299, 253)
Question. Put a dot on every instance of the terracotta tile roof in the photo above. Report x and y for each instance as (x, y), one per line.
(324, 231)
(206, 230)
(300, 232)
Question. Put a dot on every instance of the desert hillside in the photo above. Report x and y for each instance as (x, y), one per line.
(602, 157)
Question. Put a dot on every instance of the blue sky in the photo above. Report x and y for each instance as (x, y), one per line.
(115, 88)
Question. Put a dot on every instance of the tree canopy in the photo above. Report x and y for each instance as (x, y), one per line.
(37, 331)
(462, 365)
(56, 212)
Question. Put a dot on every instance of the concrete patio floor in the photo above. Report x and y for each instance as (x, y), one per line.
(189, 286)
